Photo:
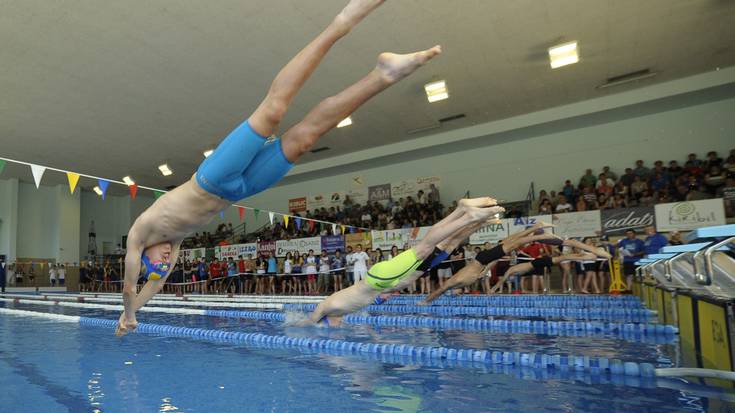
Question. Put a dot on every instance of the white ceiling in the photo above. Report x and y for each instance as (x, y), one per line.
(119, 88)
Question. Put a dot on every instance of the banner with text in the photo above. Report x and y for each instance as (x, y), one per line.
(577, 224)
(413, 236)
(516, 225)
(379, 193)
(686, 216)
(491, 233)
(617, 221)
(333, 243)
(267, 246)
(236, 250)
(300, 245)
(411, 187)
(361, 238)
(193, 254)
(388, 238)
(296, 205)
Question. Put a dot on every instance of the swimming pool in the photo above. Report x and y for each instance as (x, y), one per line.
(50, 366)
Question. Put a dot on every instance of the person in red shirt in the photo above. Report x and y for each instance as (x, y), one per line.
(535, 250)
(240, 273)
(215, 273)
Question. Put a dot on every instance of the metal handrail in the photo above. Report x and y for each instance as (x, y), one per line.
(708, 259)
(668, 265)
(698, 276)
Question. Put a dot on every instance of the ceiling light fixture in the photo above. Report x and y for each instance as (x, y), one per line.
(128, 181)
(345, 122)
(563, 54)
(97, 190)
(165, 170)
(207, 153)
(436, 91)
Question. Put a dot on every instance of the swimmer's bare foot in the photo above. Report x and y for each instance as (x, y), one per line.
(482, 202)
(483, 214)
(355, 11)
(394, 67)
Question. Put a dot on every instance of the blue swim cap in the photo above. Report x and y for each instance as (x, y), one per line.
(153, 270)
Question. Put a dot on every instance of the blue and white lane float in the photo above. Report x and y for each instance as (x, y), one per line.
(597, 369)
(657, 333)
(626, 315)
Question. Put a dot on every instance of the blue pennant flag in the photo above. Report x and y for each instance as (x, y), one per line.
(103, 187)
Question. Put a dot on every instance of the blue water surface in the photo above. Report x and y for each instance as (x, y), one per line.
(48, 366)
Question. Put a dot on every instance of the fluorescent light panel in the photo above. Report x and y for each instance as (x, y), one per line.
(128, 181)
(345, 122)
(563, 54)
(165, 170)
(97, 190)
(207, 153)
(436, 91)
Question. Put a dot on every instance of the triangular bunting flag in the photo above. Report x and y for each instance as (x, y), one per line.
(2, 166)
(256, 211)
(311, 225)
(241, 211)
(103, 186)
(343, 228)
(334, 229)
(133, 190)
(352, 230)
(285, 221)
(270, 216)
(157, 194)
(298, 223)
(42, 265)
(73, 179)
(37, 173)
(222, 214)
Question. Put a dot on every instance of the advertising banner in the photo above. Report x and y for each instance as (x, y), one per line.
(519, 224)
(491, 233)
(193, 254)
(333, 243)
(388, 238)
(297, 205)
(577, 224)
(413, 236)
(379, 192)
(236, 250)
(617, 221)
(686, 216)
(362, 238)
(267, 246)
(300, 245)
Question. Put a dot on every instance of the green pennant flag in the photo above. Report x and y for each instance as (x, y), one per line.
(157, 194)
(256, 211)
(2, 166)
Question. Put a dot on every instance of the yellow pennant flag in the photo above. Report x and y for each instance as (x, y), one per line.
(285, 221)
(73, 179)
(343, 228)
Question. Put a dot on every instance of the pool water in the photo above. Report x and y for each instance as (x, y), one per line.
(49, 366)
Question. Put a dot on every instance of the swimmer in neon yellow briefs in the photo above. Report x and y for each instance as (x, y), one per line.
(248, 161)
(396, 273)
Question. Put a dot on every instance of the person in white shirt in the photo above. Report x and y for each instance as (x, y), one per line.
(350, 266)
(287, 279)
(310, 264)
(322, 284)
(52, 275)
(61, 274)
(604, 180)
(360, 261)
(563, 205)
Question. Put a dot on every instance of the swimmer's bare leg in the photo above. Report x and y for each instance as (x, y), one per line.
(517, 269)
(390, 69)
(466, 276)
(292, 77)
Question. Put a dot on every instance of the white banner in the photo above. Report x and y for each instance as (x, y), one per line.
(414, 236)
(192, 254)
(516, 225)
(411, 187)
(388, 238)
(491, 233)
(358, 196)
(236, 250)
(577, 224)
(300, 245)
(686, 216)
(315, 201)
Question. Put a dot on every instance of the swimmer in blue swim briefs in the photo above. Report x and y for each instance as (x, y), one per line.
(249, 160)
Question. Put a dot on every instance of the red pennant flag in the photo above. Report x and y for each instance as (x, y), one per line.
(133, 190)
(311, 225)
(241, 211)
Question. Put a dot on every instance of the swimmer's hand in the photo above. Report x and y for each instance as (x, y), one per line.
(126, 325)
(542, 224)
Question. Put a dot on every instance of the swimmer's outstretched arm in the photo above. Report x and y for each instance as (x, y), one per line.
(600, 252)
(132, 301)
